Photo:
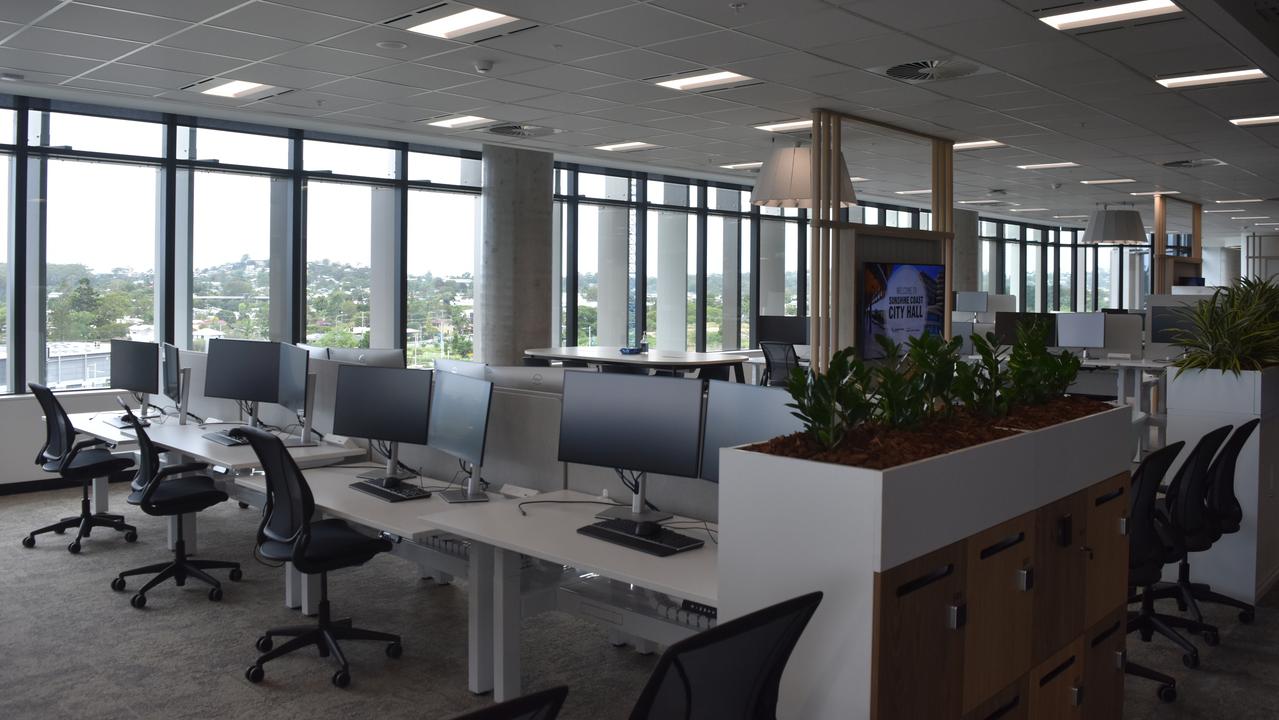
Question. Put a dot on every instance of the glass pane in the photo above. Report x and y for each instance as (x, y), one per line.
(1012, 270)
(1108, 277)
(672, 271)
(726, 199)
(605, 274)
(6, 202)
(8, 125)
(97, 134)
(1012, 231)
(338, 253)
(100, 267)
(441, 267)
(561, 238)
(744, 306)
(1065, 298)
(986, 280)
(603, 187)
(231, 258)
(344, 159)
(1034, 284)
(925, 220)
(665, 193)
(444, 169)
(724, 285)
(1136, 276)
(870, 215)
(986, 228)
(778, 268)
(234, 148)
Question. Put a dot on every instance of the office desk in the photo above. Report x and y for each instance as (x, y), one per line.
(1144, 414)
(500, 534)
(653, 359)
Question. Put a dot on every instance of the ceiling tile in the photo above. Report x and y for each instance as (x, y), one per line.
(761, 94)
(68, 43)
(569, 103)
(640, 25)
(231, 43)
(788, 68)
(19, 59)
(366, 89)
(389, 111)
(631, 114)
(136, 74)
(563, 77)
(553, 44)
(111, 23)
(881, 51)
(719, 48)
(553, 11)
(514, 113)
(113, 87)
(178, 9)
(366, 39)
(282, 76)
(285, 22)
(693, 104)
(24, 11)
(730, 15)
(367, 10)
(500, 90)
(848, 84)
(321, 101)
(638, 64)
(502, 62)
(575, 122)
(444, 102)
(421, 76)
(631, 92)
(684, 123)
(339, 62)
(183, 60)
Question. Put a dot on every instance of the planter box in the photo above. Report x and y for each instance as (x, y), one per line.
(792, 526)
(1246, 564)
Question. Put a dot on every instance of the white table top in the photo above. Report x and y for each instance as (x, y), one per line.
(653, 358)
(550, 532)
(1144, 363)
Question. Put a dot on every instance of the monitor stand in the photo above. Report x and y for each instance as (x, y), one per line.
(471, 493)
(638, 511)
(121, 421)
(391, 475)
(308, 413)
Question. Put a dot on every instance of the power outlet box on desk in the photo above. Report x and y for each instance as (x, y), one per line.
(636, 612)
(517, 492)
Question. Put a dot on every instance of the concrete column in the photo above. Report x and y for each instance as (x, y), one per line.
(386, 311)
(730, 328)
(283, 305)
(613, 268)
(966, 264)
(557, 274)
(672, 269)
(772, 267)
(513, 269)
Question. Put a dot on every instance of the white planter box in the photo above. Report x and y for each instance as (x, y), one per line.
(793, 526)
(1246, 564)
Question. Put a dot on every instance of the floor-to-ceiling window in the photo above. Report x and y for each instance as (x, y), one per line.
(230, 257)
(6, 203)
(441, 275)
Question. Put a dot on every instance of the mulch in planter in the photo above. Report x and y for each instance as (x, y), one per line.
(1036, 417)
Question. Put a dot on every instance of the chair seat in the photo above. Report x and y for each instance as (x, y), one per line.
(334, 544)
(178, 496)
(91, 463)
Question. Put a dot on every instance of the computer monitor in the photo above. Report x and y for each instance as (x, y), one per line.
(388, 404)
(1008, 323)
(640, 423)
(256, 371)
(459, 423)
(784, 329)
(135, 366)
(1081, 330)
(475, 370)
(381, 357)
(1163, 320)
(171, 370)
(972, 302)
(737, 414)
(293, 368)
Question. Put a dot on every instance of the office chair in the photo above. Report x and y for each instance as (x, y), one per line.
(166, 496)
(83, 461)
(732, 670)
(1203, 511)
(779, 360)
(544, 705)
(715, 372)
(288, 533)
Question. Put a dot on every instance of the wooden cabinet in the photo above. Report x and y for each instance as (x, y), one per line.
(1001, 580)
(1011, 703)
(1060, 564)
(918, 641)
(1104, 666)
(1106, 582)
(1057, 689)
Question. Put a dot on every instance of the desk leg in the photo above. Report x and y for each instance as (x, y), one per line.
(101, 500)
(188, 532)
(310, 594)
(292, 587)
(479, 621)
(740, 373)
(506, 625)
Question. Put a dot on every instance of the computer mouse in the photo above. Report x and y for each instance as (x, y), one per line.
(647, 528)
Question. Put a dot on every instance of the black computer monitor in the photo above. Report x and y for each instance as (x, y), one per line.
(388, 404)
(1168, 323)
(1081, 330)
(171, 370)
(256, 371)
(293, 368)
(382, 357)
(459, 426)
(1007, 324)
(779, 328)
(737, 414)
(476, 370)
(135, 366)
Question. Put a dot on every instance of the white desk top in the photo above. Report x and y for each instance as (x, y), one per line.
(550, 532)
(333, 496)
(1145, 363)
(652, 358)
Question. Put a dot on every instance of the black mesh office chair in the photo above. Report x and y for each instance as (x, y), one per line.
(544, 705)
(779, 360)
(83, 461)
(287, 533)
(166, 496)
(732, 670)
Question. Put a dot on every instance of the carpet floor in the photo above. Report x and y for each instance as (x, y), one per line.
(71, 647)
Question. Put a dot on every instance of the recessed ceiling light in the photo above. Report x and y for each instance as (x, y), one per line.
(1048, 166)
(1068, 217)
(1259, 120)
(392, 44)
(626, 146)
(1110, 14)
(1227, 202)
(461, 121)
(235, 89)
(742, 166)
(913, 192)
(1112, 181)
(462, 23)
(979, 202)
(1215, 78)
(697, 82)
(1251, 217)
(1158, 192)
(978, 145)
(858, 179)
(1275, 223)
(1028, 210)
(788, 126)
(1221, 211)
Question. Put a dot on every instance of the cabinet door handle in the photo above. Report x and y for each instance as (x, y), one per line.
(1086, 550)
(1076, 696)
(1121, 660)
(1065, 530)
(956, 615)
(1123, 526)
(1026, 579)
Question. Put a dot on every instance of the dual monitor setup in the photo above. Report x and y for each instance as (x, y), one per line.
(145, 369)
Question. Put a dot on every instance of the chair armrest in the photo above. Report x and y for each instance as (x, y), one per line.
(178, 469)
(75, 450)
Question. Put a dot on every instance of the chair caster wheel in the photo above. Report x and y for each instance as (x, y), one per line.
(394, 650)
(73, 548)
(1190, 660)
(130, 536)
(1247, 616)
(215, 594)
(29, 541)
(341, 678)
(244, 506)
(1166, 693)
(138, 601)
(117, 584)
(264, 644)
(236, 575)
(254, 674)
(1211, 638)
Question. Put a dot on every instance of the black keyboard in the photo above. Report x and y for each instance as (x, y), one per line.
(399, 493)
(222, 437)
(622, 532)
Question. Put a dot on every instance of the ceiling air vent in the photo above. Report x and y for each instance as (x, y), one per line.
(1189, 164)
(922, 71)
(522, 131)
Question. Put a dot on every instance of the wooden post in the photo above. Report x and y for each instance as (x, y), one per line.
(1196, 231)
(832, 215)
(816, 352)
(944, 216)
(1159, 283)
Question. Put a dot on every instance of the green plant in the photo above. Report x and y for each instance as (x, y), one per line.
(981, 385)
(1035, 374)
(1235, 329)
(936, 361)
(901, 397)
(831, 403)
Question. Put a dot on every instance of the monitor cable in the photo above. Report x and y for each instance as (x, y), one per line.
(632, 484)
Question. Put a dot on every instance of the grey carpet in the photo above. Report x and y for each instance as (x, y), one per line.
(70, 647)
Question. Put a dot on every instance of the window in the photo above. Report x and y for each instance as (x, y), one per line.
(444, 169)
(96, 134)
(8, 123)
(727, 282)
(6, 200)
(338, 263)
(1065, 296)
(441, 274)
(234, 148)
(604, 187)
(671, 287)
(1012, 270)
(231, 257)
(988, 270)
(344, 159)
(605, 274)
(1034, 272)
(778, 267)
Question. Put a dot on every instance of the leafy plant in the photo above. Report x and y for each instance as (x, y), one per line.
(981, 385)
(901, 395)
(1235, 329)
(936, 361)
(1035, 374)
(831, 403)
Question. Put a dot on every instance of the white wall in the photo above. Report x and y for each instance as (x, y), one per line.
(23, 434)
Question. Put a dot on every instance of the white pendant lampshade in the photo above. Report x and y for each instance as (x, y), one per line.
(786, 180)
(1115, 227)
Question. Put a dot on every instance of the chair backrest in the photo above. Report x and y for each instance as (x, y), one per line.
(544, 705)
(1187, 495)
(779, 360)
(59, 433)
(149, 456)
(1224, 510)
(289, 503)
(1145, 548)
(732, 670)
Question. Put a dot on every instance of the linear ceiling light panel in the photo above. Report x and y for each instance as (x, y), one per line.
(1227, 202)
(1068, 217)
(743, 165)
(1222, 211)
(1112, 181)
(1157, 192)
(705, 80)
(1251, 217)
(855, 178)
(978, 145)
(979, 202)
(236, 89)
(462, 23)
(1111, 14)
(1048, 166)
(913, 192)
(626, 146)
(788, 126)
(461, 122)
(1259, 120)
(1216, 78)
(1028, 210)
